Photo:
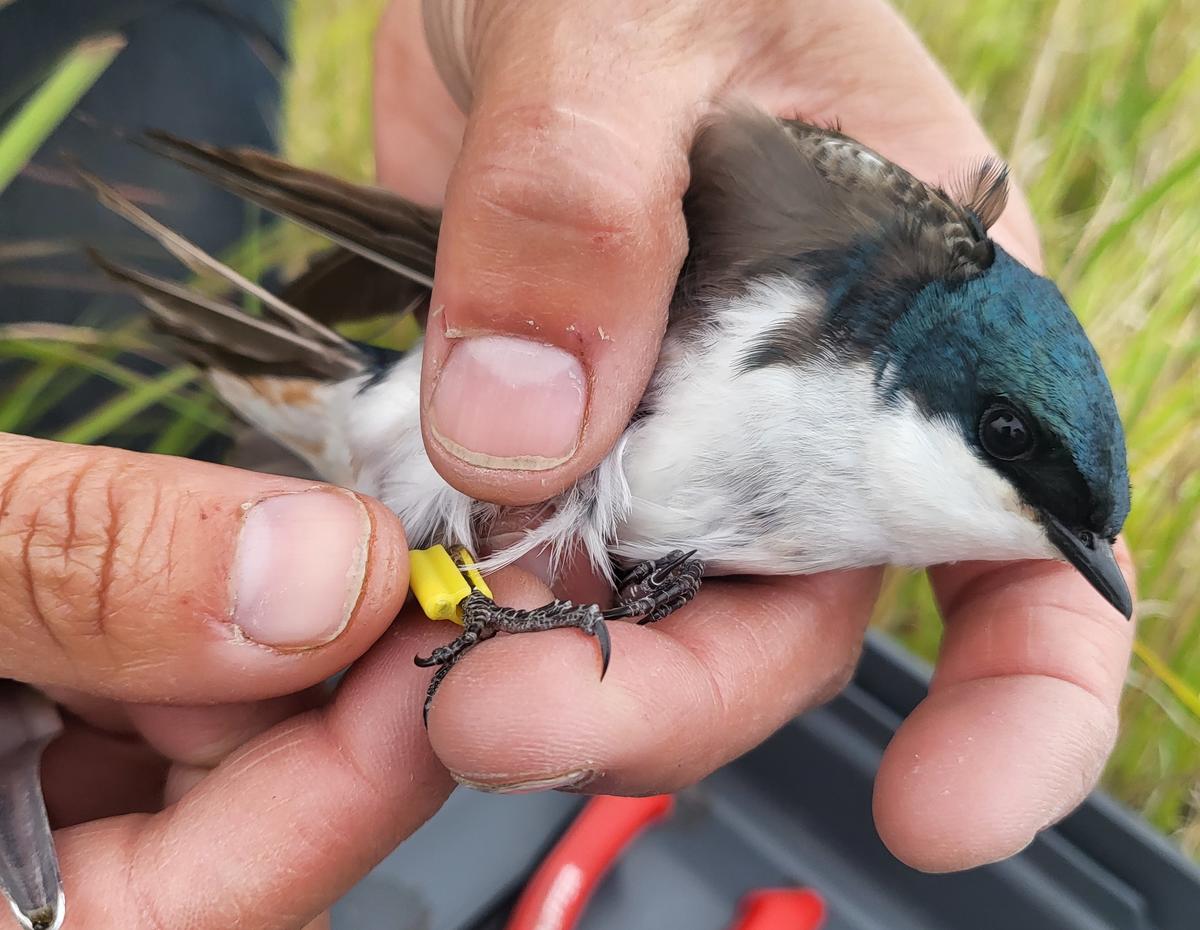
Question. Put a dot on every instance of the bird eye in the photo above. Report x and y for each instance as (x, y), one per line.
(1005, 434)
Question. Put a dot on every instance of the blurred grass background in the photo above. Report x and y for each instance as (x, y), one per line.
(1097, 106)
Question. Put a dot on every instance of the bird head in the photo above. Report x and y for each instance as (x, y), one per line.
(981, 373)
(1001, 359)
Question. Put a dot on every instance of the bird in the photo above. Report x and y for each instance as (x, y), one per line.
(854, 373)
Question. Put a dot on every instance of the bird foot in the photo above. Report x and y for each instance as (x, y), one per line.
(652, 590)
(649, 591)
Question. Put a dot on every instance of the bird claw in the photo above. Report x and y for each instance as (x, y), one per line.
(605, 643)
(650, 590)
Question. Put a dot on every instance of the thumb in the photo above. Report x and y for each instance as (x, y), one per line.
(147, 578)
(561, 240)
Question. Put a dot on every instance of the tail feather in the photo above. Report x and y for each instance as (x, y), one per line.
(369, 221)
(287, 385)
(196, 258)
(217, 334)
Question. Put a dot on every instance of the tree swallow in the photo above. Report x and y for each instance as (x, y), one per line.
(853, 374)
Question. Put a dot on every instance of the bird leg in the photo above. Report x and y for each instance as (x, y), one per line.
(650, 591)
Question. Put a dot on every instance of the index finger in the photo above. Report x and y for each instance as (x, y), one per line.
(1020, 718)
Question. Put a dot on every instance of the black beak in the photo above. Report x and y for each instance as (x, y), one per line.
(1094, 558)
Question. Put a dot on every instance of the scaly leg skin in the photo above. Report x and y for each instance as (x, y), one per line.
(650, 591)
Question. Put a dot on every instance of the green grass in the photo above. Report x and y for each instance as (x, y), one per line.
(46, 108)
(1095, 104)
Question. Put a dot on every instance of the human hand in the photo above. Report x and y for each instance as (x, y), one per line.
(140, 591)
(561, 240)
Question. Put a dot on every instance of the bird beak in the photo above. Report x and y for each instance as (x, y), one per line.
(1094, 558)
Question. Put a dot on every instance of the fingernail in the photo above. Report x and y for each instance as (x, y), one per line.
(299, 567)
(503, 402)
(576, 778)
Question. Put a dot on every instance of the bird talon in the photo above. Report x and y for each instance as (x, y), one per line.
(663, 572)
(434, 683)
(600, 631)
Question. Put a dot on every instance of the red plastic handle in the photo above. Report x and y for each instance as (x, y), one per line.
(555, 897)
(781, 909)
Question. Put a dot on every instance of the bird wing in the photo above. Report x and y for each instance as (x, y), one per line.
(287, 371)
(954, 223)
(771, 196)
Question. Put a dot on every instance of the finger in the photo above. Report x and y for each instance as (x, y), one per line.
(281, 829)
(1020, 717)
(681, 698)
(88, 774)
(561, 241)
(148, 578)
(128, 751)
(418, 126)
(203, 736)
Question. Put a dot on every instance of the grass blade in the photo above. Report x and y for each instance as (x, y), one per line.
(51, 103)
(121, 409)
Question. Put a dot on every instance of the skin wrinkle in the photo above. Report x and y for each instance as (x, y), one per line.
(986, 578)
(165, 839)
(722, 705)
(104, 582)
(281, 740)
(719, 704)
(781, 624)
(577, 742)
(59, 556)
(71, 498)
(202, 736)
(40, 615)
(618, 231)
(972, 597)
(122, 576)
(9, 484)
(172, 532)
(1102, 703)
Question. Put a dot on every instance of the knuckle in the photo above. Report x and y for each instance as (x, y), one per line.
(575, 177)
(80, 547)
